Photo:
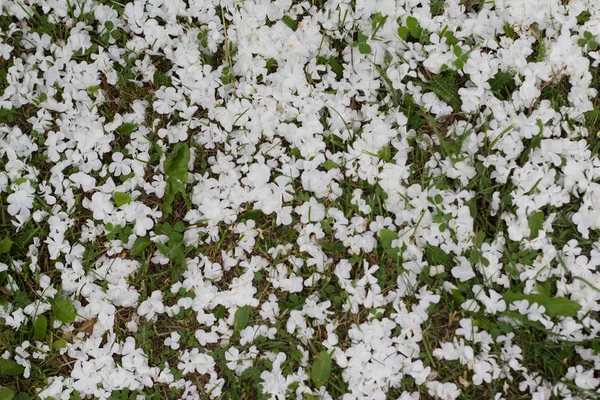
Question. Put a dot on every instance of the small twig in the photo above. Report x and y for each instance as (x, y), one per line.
(545, 85)
(227, 55)
(352, 59)
(533, 31)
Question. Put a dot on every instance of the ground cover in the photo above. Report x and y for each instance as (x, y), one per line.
(342, 199)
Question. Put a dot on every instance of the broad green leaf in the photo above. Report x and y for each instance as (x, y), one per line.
(329, 164)
(140, 245)
(411, 22)
(176, 164)
(25, 396)
(450, 38)
(387, 236)
(544, 288)
(59, 344)
(162, 248)
(458, 296)
(6, 394)
(121, 198)
(321, 369)
(561, 306)
(173, 187)
(293, 25)
(385, 153)
(364, 48)
(10, 367)
(179, 226)
(336, 66)
(403, 32)
(241, 318)
(536, 221)
(177, 255)
(416, 32)
(5, 245)
(176, 169)
(39, 328)
(63, 309)
(126, 128)
(554, 305)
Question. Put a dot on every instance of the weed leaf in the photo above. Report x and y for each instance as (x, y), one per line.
(321, 369)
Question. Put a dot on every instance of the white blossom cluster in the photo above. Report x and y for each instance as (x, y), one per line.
(393, 186)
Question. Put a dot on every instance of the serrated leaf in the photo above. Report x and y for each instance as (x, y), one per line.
(121, 198)
(10, 367)
(387, 236)
(241, 318)
(321, 369)
(140, 245)
(63, 309)
(40, 327)
(176, 164)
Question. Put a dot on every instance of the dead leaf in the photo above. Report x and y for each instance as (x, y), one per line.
(464, 382)
(5, 291)
(87, 326)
